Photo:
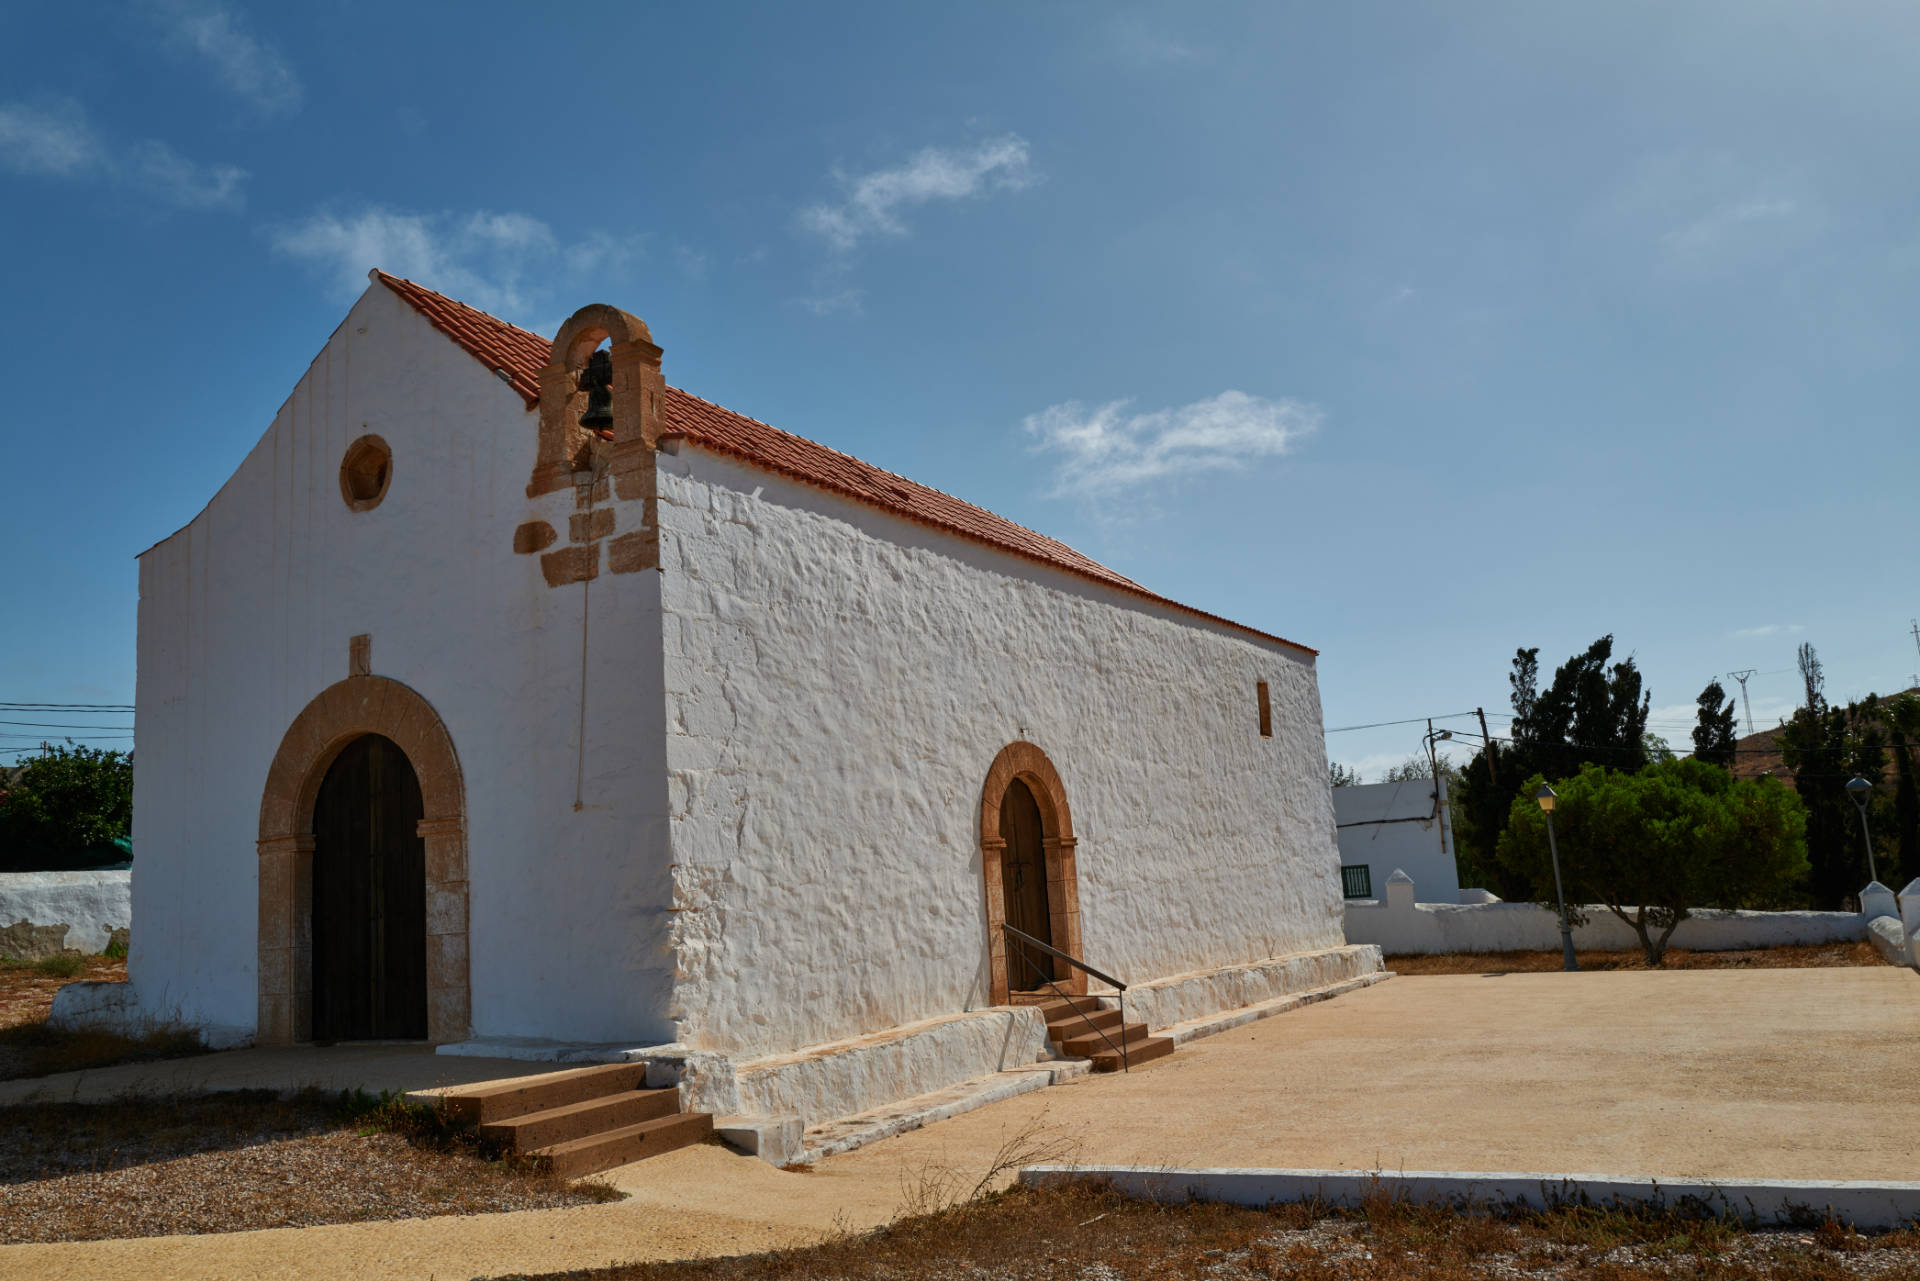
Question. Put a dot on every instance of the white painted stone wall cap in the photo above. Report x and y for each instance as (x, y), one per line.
(1913, 888)
(1399, 877)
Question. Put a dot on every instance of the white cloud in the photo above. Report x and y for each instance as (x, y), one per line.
(166, 173)
(57, 142)
(1105, 449)
(482, 258)
(1769, 629)
(53, 141)
(246, 66)
(876, 200)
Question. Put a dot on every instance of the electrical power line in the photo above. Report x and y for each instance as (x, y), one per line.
(1416, 720)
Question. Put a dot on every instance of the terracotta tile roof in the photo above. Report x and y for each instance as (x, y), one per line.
(517, 356)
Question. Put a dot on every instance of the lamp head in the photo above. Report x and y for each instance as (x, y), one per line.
(1546, 796)
(1859, 789)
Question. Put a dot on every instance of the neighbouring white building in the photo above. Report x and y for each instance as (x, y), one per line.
(1389, 827)
(463, 719)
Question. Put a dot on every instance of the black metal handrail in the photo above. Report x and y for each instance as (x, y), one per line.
(1078, 964)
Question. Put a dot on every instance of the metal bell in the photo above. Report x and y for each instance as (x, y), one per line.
(597, 381)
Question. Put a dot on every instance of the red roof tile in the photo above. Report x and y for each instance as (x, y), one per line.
(517, 356)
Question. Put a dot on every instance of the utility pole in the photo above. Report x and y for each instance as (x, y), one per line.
(1915, 629)
(1488, 740)
(1742, 676)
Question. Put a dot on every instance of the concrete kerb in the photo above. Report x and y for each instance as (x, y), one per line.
(1193, 1029)
(1756, 1203)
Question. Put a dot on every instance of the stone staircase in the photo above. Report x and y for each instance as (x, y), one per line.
(1075, 1025)
(581, 1121)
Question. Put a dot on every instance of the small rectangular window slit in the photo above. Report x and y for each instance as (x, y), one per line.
(1266, 710)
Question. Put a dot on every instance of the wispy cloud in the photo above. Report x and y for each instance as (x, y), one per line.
(502, 262)
(57, 142)
(1728, 224)
(1769, 629)
(49, 140)
(1105, 449)
(244, 64)
(849, 300)
(692, 262)
(1702, 214)
(1129, 40)
(875, 201)
(166, 173)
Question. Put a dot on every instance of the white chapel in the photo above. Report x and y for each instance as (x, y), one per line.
(509, 699)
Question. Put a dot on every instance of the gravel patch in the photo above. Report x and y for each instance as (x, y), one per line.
(236, 1162)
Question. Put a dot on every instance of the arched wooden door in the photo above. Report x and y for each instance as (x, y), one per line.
(369, 898)
(1023, 878)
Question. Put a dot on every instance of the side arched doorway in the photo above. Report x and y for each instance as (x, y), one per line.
(1027, 863)
(369, 897)
(366, 725)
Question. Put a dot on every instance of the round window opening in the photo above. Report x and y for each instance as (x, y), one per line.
(365, 473)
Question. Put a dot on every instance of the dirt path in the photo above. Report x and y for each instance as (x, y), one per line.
(1751, 1073)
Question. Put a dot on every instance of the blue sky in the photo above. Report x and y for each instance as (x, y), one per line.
(1414, 333)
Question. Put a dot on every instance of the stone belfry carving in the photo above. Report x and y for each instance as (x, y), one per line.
(608, 459)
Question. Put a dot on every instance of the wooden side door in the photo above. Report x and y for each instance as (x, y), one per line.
(1023, 873)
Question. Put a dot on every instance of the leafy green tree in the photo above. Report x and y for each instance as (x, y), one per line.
(1655, 845)
(1339, 775)
(1714, 732)
(1595, 710)
(64, 808)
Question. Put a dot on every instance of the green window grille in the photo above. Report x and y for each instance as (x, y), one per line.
(1356, 880)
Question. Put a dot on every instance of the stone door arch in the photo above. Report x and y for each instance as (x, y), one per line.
(1028, 764)
(339, 714)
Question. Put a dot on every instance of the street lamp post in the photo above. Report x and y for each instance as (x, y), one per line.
(1547, 796)
(1860, 789)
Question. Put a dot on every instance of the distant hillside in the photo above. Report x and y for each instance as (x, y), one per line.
(1759, 753)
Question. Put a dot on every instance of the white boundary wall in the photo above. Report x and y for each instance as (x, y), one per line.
(92, 905)
(1398, 925)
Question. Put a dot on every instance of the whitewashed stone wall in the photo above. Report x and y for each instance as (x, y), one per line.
(92, 905)
(1399, 925)
(246, 613)
(838, 681)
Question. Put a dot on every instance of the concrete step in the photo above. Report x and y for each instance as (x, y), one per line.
(1138, 1053)
(541, 1093)
(1056, 1006)
(579, 1157)
(1087, 1044)
(1072, 1023)
(580, 1120)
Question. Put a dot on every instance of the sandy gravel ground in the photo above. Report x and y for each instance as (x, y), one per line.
(1737, 1073)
